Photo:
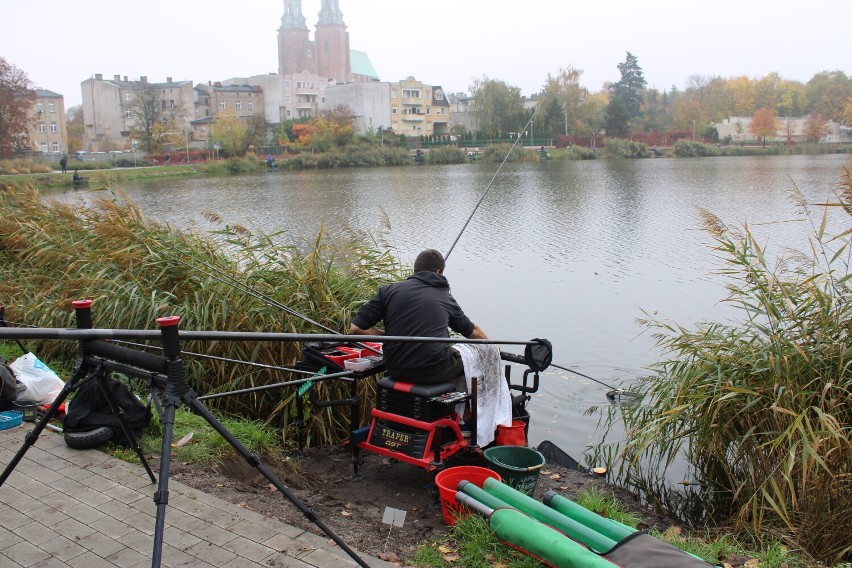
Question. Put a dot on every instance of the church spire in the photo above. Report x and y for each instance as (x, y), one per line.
(330, 13)
(293, 17)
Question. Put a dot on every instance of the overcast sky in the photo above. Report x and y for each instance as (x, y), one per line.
(441, 42)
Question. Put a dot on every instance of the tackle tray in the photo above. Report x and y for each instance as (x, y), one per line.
(10, 419)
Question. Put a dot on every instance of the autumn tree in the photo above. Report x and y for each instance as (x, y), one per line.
(497, 107)
(764, 123)
(153, 120)
(75, 128)
(17, 98)
(626, 97)
(828, 93)
(332, 128)
(816, 126)
(234, 134)
(565, 95)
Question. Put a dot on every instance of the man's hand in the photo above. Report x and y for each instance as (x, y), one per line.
(477, 333)
(355, 330)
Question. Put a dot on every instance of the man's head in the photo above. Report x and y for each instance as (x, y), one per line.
(429, 260)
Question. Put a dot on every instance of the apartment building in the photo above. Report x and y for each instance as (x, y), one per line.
(108, 118)
(370, 102)
(47, 133)
(418, 109)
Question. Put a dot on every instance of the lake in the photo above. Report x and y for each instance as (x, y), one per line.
(574, 252)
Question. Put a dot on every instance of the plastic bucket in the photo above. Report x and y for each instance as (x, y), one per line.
(518, 466)
(448, 483)
(27, 408)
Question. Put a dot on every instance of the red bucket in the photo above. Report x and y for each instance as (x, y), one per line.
(514, 435)
(448, 483)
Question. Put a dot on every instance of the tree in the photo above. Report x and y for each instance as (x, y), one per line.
(625, 102)
(566, 95)
(235, 135)
(828, 93)
(816, 126)
(497, 107)
(75, 128)
(334, 127)
(17, 98)
(152, 118)
(764, 123)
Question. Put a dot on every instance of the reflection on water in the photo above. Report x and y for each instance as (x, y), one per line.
(571, 251)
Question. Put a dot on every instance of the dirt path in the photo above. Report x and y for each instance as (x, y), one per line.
(320, 479)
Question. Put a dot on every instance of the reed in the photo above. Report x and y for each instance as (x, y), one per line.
(761, 408)
(136, 270)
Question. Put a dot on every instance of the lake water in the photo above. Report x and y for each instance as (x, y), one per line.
(573, 252)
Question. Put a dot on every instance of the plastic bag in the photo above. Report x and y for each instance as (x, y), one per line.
(42, 384)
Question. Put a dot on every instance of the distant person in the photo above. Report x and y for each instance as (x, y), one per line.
(63, 164)
(78, 180)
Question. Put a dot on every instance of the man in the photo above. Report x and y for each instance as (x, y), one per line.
(63, 164)
(419, 306)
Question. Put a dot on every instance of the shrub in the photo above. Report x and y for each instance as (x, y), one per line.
(618, 148)
(447, 155)
(761, 408)
(687, 149)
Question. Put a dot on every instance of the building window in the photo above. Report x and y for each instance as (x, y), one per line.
(127, 96)
(287, 84)
(289, 114)
(393, 93)
(251, 105)
(439, 95)
(171, 103)
(39, 108)
(411, 93)
(394, 110)
(428, 110)
(223, 105)
(41, 127)
(51, 107)
(43, 146)
(238, 104)
(56, 146)
(53, 127)
(127, 114)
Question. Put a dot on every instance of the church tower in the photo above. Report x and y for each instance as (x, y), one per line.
(296, 52)
(332, 44)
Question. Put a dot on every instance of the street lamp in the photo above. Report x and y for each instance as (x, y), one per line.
(186, 140)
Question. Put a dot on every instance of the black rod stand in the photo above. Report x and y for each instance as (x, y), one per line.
(83, 371)
(177, 392)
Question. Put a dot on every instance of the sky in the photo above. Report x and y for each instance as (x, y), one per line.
(450, 43)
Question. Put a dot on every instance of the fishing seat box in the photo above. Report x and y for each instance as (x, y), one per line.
(419, 402)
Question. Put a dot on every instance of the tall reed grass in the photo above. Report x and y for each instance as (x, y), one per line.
(137, 270)
(762, 409)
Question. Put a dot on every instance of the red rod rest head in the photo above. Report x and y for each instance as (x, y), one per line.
(168, 321)
(81, 304)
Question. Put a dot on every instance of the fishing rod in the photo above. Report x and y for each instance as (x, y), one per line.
(491, 183)
(232, 281)
(613, 391)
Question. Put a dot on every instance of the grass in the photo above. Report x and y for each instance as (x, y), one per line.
(137, 270)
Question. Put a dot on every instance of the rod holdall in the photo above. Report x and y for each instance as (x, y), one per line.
(89, 409)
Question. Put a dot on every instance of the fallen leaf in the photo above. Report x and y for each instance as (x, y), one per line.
(673, 531)
(555, 476)
(345, 513)
(389, 557)
(444, 549)
(183, 441)
(451, 557)
(271, 488)
(752, 562)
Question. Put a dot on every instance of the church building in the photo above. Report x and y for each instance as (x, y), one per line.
(328, 55)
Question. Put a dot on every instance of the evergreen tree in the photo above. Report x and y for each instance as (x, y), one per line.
(625, 97)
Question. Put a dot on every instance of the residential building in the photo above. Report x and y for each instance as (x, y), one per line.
(418, 109)
(108, 119)
(213, 99)
(789, 129)
(370, 102)
(47, 133)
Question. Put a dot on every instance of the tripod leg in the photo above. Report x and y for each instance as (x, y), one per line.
(30, 439)
(161, 497)
(118, 412)
(192, 402)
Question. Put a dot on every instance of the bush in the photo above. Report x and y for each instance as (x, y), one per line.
(618, 148)
(761, 408)
(687, 149)
(447, 155)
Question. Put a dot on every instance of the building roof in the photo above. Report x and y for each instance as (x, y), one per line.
(45, 94)
(361, 64)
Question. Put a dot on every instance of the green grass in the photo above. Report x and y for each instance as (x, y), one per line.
(604, 503)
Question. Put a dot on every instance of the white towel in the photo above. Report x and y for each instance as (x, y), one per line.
(493, 401)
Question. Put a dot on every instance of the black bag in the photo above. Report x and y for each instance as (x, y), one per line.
(8, 386)
(89, 410)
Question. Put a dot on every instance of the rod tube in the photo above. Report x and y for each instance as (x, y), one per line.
(607, 527)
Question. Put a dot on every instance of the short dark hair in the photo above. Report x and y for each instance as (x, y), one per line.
(430, 260)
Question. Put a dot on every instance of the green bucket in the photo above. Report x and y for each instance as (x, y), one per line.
(519, 466)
